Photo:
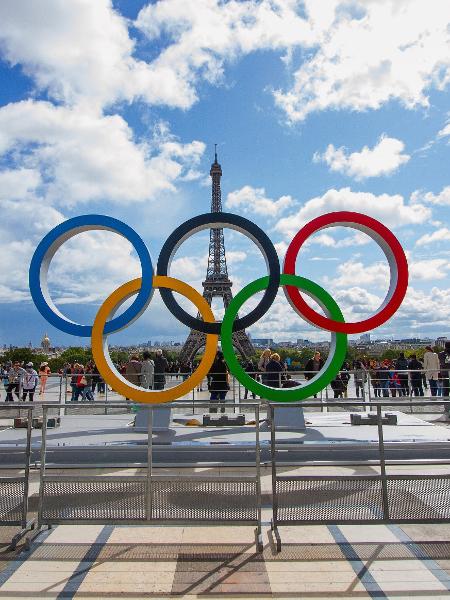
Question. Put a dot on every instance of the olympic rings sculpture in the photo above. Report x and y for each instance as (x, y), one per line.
(143, 288)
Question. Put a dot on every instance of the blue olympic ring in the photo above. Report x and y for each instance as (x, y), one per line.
(46, 250)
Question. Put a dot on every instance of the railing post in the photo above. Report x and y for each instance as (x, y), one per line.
(149, 492)
(42, 466)
(26, 485)
(258, 473)
(367, 408)
(384, 490)
(271, 412)
(410, 392)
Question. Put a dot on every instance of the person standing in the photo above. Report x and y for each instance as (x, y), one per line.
(15, 375)
(44, 372)
(373, 374)
(274, 368)
(431, 366)
(337, 385)
(262, 364)
(415, 367)
(218, 382)
(383, 377)
(133, 370)
(251, 372)
(29, 382)
(360, 378)
(402, 366)
(147, 372)
(345, 377)
(444, 376)
(161, 367)
(313, 366)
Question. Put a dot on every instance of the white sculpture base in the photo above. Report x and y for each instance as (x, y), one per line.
(161, 419)
(289, 419)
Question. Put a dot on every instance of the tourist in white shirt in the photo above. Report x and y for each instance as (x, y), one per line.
(431, 367)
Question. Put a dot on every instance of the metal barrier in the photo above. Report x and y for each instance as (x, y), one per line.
(150, 498)
(381, 498)
(14, 490)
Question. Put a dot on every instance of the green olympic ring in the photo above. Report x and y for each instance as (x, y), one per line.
(336, 356)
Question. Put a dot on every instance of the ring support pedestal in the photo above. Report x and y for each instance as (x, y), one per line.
(289, 419)
(161, 419)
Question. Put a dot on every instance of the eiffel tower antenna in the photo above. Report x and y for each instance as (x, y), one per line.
(217, 282)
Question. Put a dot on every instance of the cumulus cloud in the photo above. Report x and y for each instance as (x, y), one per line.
(254, 200)
(73, 275)
(200, 38)
(403, 51)
(389, 209)
(441, 199)
(383, 159)
(84, 156)
(440, 235)
(80, 52)
(429, 269)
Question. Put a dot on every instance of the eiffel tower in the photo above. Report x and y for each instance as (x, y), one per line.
(217, 282)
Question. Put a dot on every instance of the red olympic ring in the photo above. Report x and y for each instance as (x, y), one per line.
(392, 250)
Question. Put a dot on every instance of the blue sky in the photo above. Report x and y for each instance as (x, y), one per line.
(315, 106)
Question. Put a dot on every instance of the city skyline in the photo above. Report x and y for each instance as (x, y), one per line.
(126, 126)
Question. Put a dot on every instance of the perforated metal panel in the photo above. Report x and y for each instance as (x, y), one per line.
(419, 498)
(200, 500)
(11, 500)
(328, 499)
(91, 500)
(116, 499)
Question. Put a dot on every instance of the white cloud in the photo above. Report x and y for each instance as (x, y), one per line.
(254, 200)
(81, 53)
(74, 272)
(369, 53)
(440, 235)
(383, 159)
(441, 199)
(83, 156)
(429, 269)
(390, 210)
(445, 131)
(366, 275)
(201, 36)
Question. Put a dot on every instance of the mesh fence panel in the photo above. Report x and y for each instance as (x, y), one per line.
(93, 500)
(329, 500)
(419, 498)
(11, 500)
(198, 500)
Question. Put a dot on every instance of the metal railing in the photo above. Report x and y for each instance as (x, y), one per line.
(355, 499)
(150, 498)
(14, 491)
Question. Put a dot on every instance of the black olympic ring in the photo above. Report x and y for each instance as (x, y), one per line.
(218, 221)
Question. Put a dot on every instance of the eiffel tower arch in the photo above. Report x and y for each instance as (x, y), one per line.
(217, 283)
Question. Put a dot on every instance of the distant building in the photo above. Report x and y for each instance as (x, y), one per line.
(365, 338)
(440, 342)
(259, 342)
(45, 344)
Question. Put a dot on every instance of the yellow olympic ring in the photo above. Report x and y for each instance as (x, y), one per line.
(102, 358)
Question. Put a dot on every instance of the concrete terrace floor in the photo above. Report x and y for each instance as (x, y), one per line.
(357, 561)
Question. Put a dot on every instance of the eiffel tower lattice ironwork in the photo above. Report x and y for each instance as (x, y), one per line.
(217, 282)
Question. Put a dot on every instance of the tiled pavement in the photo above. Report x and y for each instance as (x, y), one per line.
(358, 561)
(154, 562)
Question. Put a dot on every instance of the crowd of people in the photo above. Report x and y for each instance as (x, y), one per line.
(400, 377)
(22, 380)
(388, 378)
